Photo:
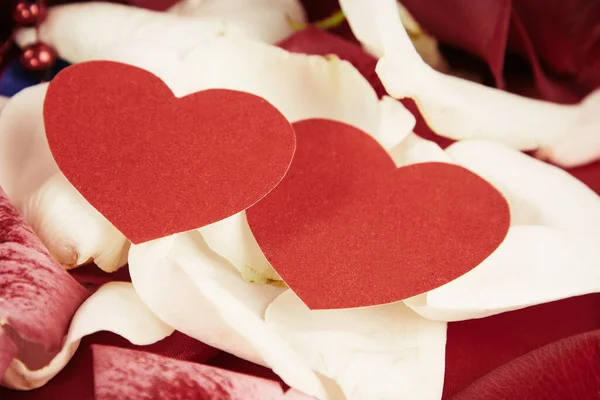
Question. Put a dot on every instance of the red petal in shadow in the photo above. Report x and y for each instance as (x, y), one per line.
(476, 347)
(91, 275)
(129, 374)
(77, 379)
(568, 369)
(37, 296)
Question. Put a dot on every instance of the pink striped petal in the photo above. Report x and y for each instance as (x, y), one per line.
(8, 351)
(37, 296)
(129, 374)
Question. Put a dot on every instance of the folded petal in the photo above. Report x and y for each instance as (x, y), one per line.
(79, 31)
(383, 352)
(115, 307)
(37, 297)
(69, 226)
(3, 101)
(454, 107)
(550, 252)
(179, 276)
(129, 374)
(567, 369)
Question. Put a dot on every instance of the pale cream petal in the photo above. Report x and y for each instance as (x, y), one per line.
(374, 353)
(199, 294)
(80, 31)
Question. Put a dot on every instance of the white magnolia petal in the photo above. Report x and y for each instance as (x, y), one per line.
(69, 226)
(74, 231)
(179, 276)
(414, 149)
(383, 352)
(582, 145)
(232, 239)
(115, 307)
(25, 159)
(455, 107)
(79, 31)
(534, 265)
(396, 122)
(537, 193)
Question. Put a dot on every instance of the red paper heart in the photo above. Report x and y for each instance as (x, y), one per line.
(346, 228)
(154, 164)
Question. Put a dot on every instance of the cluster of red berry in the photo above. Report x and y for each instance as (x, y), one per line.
(37, 56)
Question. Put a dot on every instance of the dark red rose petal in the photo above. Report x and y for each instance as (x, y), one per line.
(565, 370)
(128, 374)
(77, 379)
(37, 296)
(90, 274)
(476, 347)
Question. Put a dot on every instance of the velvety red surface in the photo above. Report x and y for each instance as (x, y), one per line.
(154, 164)
(346, 228)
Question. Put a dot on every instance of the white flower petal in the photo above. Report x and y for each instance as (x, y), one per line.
(455, 107)
(3, 101)
(414, 149)
(550, 252)
(69, 226)
(534, 265)
(115, 307)
(383, 352)
(79, 31)
(179, 277)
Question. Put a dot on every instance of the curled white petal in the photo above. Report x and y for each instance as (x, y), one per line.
(116, 308)
(383, 352)
(179, 276)
(80, 31)
(414, 149)
(455, 107)
(69, 226)
(3, 101)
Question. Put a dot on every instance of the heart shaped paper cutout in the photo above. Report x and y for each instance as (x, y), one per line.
(154, 164)
(345, 228)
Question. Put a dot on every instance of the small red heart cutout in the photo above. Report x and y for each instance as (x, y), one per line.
(346, 228)
(154, 164)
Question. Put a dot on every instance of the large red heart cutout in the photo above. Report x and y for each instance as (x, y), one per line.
(346, 228)
(154, 164)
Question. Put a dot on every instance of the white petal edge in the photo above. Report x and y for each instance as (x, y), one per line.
(73, 230)
(374, 353)
(197, 293)
(116, 308)
(80, 31)
(454, 107)
(3, 101)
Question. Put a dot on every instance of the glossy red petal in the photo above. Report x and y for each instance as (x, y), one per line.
(129, 374)
(476, 347)
(37, 296)
(565, 370)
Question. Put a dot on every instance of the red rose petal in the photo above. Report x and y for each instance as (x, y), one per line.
(129, 374)
(77, 378)
(8, 351)
(563, 370)
(476, 347)
(37, 296)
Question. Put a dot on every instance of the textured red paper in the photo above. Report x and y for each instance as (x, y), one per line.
(345, 228)
(154, 164)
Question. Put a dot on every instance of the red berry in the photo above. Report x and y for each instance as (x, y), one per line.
(27, 13)
(38, 57)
